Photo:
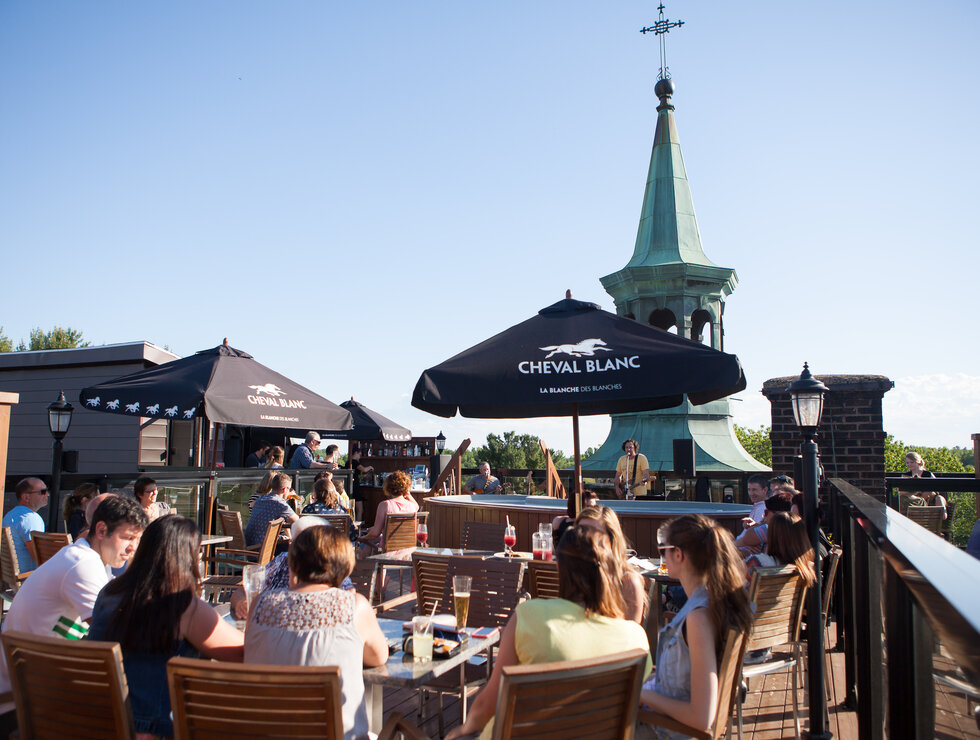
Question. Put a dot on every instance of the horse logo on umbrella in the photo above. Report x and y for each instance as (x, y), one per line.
(585, 348)
(269, 388)
(93, 402)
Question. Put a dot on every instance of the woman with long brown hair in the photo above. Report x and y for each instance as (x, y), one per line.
(586, 621)
(634, 596)
(789, 544)
(154, 612)
(702, 556)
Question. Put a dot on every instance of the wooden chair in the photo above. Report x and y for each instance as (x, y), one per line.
(541, 579)
(729, 683)
(599, 697)
(339, 522)
(494, 594)
(399, 534)
(231, 525)
(215, 586)
(68, 688)
(482, 536)
(46, 544)
(778, 595)
(9, 567)
(930, 517)
(227, 700)
(430, 580)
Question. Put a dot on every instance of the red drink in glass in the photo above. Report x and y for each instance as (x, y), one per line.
(423, 537)
(510, 541)
(547, 555)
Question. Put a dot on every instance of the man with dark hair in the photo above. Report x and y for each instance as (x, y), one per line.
(271, 506)
(23, 519)
(758, 490)
(257, 458)
(58, 597)
(332, 455)
(632, 471)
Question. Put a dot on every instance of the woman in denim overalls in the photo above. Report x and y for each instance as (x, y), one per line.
(702, 556)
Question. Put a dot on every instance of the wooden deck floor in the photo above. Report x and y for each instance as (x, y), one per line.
(767, 712)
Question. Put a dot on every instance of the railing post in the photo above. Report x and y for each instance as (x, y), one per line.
(866, 628)
(845, 603)
(911, 709)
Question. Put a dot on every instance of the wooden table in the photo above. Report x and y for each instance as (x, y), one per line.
(402, 671)
(215, 539)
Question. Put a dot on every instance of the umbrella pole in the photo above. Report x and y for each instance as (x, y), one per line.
(577, 483)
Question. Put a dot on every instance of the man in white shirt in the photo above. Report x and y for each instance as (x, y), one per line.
(58, 597)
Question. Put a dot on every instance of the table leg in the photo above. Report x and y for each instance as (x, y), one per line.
(375, 707)
(462, 688)
(374, 578)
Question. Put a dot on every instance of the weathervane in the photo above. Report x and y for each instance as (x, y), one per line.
(661, 28)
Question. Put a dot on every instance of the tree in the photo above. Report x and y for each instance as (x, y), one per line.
(756, 442)
(57, 338)
(937, 459)
(5, 344)
(512, 451)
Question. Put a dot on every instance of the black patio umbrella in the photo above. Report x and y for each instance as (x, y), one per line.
(575, 359)
(369, 424)
(223, 384)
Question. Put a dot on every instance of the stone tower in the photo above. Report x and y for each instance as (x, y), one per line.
(670, 283)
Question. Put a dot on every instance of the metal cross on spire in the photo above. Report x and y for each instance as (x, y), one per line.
(661, 28)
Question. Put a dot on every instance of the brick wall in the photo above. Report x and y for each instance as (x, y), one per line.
(851, 436)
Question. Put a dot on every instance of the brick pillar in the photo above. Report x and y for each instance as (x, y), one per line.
(851, 434)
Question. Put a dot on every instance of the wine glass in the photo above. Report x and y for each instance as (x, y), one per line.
(422, 533)
(510, 539)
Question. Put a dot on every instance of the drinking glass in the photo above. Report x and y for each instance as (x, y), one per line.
(422, 532)
(461, 599)
(547, 547)
(510, 539)
(537, 543)
(545, 528)
(253, 580)
(421, 638)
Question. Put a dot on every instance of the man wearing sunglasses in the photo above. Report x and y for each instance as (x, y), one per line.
(23, 519)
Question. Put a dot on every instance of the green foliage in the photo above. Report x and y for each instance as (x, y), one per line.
(512, 451)
(937, 459)
(964, 517)
(965, 454)
(57, 338)
(589, 452)
(756, 442)
(5, 344)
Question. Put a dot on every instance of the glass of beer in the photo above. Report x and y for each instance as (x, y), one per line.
(461, 599)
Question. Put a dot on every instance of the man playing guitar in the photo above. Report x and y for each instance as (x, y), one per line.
(632, 472)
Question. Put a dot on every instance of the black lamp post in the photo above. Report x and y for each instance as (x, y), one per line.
(59, 419)
(807, 395)
(440, 442)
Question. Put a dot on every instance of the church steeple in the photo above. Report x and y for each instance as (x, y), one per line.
(669, 281)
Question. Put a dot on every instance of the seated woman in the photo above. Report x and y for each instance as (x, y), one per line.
(315, 622)
(398, 489)
(146, 491)
(702, 556)
(634, 596)
(262, 489)
(74, 511)
(324, 500)
(753, 540)
(154, 613)
(274, 458)
(585, 622)
(788, 545)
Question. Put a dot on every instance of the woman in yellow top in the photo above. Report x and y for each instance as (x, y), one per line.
(586, 621)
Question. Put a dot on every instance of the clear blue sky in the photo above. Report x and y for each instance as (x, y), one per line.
(353, 192)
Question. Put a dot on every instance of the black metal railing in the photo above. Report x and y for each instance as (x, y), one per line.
(900, 589)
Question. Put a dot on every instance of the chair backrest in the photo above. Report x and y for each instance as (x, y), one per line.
(400, 532)
(930, 517)
(8, 560)
(231, 525)
(46, 544)
(495, 590)
(482, 536)
(430, 580)
(729, 683)
(53, 677)
(553, 699)
(541, 579)
(340, 522)
(830, 575)
(778, 595)
(269, 542)
(227, 700)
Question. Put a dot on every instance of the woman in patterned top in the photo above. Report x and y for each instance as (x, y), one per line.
(315, 622)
